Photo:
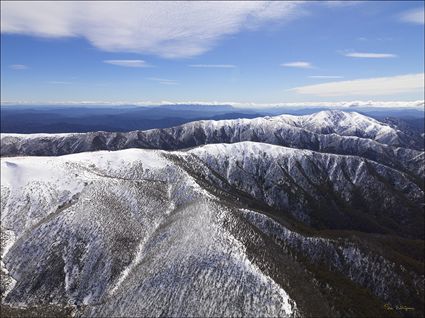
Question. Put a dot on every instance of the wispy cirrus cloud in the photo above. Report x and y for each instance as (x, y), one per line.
(419, 104)
(367, 55)
(168, 83)
(325, 76)
(297, 64)
(341, 4)
(18, 67)
(366, 87)
(170, 29)
(59, 82)
(212, 65)
(381, 39)
(163, 81)
(128, 63)
(416, 16)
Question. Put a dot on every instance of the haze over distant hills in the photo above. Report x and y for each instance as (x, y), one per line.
(113, 118)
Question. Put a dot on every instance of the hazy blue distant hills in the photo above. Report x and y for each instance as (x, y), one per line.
(124, 118)
(60, 119)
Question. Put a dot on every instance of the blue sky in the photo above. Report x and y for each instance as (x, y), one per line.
(242, 52)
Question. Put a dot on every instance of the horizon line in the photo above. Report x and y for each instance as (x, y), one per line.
(341, 104)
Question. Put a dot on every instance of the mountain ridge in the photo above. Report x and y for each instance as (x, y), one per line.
(249, 217)
(327, 131)
(192, 230)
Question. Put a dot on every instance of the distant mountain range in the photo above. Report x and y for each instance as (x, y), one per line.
(124, 118)
(289, 216)
(327, 131)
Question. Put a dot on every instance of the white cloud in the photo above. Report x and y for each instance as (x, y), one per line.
(382, 39)
(325, 76)
(163, 81)
(168, 29)
(343, 3)
(416, 16)
(168, 83)
(59, 82)
(298, 64)
(386, 38)
(18, 67)
(128, 63)
(366, 87)
(419, 104)
(213, 65)
(370, 55)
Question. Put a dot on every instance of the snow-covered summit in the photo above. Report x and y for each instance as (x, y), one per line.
(324, 122)
(350, 124)
(338, 132)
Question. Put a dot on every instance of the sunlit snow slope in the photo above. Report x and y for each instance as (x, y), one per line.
(213, 231)
(128, 233)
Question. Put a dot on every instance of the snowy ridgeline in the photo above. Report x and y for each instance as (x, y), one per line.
(137, 232)
(328, 131)
(128, 233)
(331, 121)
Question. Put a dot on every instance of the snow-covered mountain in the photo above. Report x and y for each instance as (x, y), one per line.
(337, 132)
(290, 216)
(219, 230)
(284, 129)
(322, 190)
